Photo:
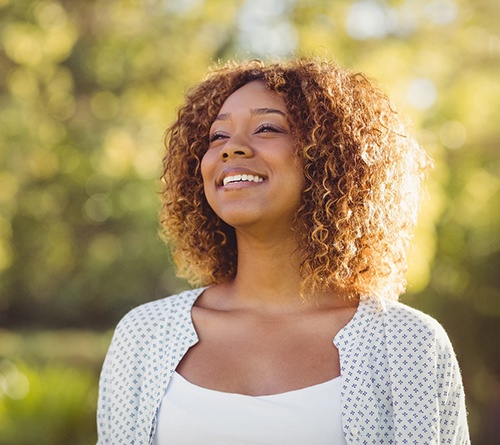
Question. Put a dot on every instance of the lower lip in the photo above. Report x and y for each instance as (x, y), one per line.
(240, 185)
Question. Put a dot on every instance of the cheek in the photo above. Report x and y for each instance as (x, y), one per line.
(207, 176)
(205, 168)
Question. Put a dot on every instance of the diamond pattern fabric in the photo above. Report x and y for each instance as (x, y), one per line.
(401, 383)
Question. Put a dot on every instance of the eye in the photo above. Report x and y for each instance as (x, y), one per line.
(268, 128)
(216, 136)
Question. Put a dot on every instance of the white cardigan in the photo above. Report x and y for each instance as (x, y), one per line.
(401, 382)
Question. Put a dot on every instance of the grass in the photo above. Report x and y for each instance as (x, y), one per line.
(48, 386)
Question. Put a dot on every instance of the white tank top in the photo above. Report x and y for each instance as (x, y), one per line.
(190, 414)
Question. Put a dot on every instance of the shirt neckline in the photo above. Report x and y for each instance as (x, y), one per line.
(307, 391)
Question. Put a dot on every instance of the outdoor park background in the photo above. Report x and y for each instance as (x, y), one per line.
(87, 88)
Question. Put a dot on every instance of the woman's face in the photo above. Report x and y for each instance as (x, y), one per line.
(251, 175)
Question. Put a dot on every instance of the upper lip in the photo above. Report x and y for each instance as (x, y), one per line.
(237, 171)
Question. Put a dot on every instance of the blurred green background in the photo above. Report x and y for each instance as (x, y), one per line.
(87, 88)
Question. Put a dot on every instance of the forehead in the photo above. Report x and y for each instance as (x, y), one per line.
(253, 95)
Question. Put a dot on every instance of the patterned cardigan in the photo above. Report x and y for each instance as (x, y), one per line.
(401, 382)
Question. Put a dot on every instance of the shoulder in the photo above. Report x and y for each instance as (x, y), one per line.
(395, 326)
(404, 330)
(401, 319)
(148, 317)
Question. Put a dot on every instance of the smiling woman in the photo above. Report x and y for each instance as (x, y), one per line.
(362, 177)
(290, 192)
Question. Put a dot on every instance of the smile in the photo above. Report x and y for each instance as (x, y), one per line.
(241, 178)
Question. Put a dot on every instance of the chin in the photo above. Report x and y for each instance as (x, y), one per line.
(240, 221)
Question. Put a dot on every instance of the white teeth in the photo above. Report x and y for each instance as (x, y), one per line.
(242, 178)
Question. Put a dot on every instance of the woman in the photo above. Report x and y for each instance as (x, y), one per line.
(290, 192)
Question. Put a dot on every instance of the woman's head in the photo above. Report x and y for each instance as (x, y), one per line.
(252, 176)
(362, 178)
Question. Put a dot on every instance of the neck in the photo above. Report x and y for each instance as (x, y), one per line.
(267, 277)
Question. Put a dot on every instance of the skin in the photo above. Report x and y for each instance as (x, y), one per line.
(256, 334)
(252, 135)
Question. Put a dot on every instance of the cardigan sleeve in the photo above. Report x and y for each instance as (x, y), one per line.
(427, 396)
(121, 381)
(453, 428)
(107, 393)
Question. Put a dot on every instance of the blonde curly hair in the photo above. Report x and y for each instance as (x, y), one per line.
(362, 170)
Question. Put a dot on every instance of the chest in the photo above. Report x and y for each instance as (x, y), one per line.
(262, 357)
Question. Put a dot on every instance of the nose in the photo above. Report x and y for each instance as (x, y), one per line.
(236, 146)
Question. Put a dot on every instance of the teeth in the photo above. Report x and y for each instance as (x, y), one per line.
(242, 178)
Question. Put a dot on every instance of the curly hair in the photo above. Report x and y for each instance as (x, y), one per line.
(362, 170)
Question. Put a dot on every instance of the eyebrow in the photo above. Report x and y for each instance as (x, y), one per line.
(254, 111)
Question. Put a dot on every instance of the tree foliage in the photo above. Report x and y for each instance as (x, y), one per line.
(88, 87)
